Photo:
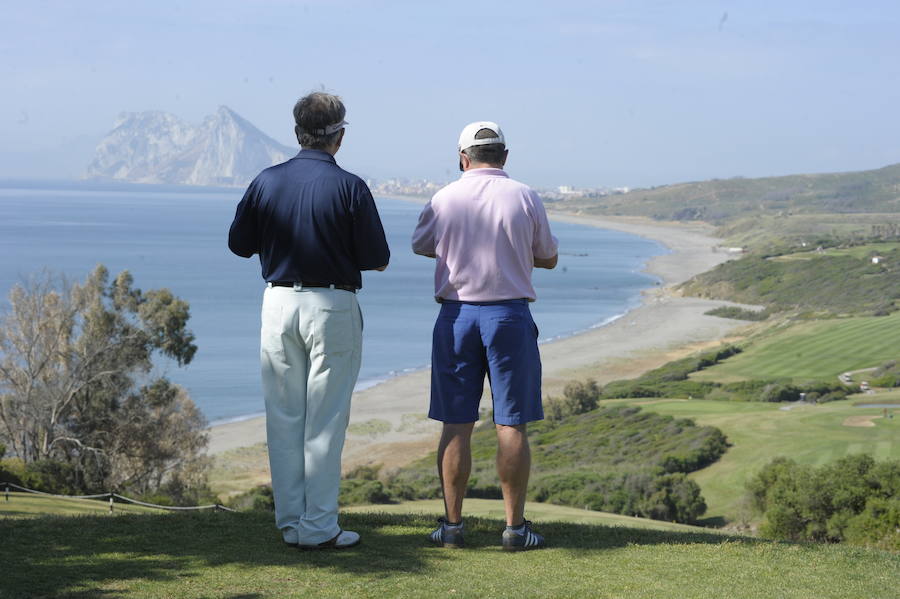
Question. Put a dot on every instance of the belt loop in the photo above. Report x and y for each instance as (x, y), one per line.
(269, 284)
(332, 287)
(298, 286)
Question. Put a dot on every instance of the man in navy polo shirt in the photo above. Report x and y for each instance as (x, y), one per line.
(315, 227)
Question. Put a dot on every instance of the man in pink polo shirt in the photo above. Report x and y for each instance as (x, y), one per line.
(486, 232)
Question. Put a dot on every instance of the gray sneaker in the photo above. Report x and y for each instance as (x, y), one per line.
(447, 536)
(523, 540)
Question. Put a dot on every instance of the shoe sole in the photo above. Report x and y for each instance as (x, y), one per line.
(326, 547)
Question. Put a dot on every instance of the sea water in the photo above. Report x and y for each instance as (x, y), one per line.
(176, 237)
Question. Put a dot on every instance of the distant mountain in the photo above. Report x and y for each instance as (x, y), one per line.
(158, 147)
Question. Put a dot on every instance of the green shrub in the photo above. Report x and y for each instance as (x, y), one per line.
(619, 459)
(671, 379)
(359, 491)
(886, 375)
(49, 476)
(852, 499)
(578, 397)
(737, 313)
(259, 499)
(877, 526)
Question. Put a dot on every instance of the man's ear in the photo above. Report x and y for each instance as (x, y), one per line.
(298, 131)
(464, 161)
(505, 156)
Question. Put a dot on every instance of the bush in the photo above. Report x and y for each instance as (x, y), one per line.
(736, 313)
(578, 398)
(49, 476)
(258, 498)
(886, 375)
(671, 379)
(358, 491)
(778, 393)
(852, 499)
(669, 497)
(618, 459)
(877, 526)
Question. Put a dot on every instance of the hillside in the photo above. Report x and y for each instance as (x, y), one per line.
(762, 431)
(618, 459)
(721, 200)
(836, 283)
(241, 555)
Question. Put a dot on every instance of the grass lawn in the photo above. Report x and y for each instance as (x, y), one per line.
(537, 512)
(819, 350)
(238, 470)
(241, 555)
(759, 432)
(23, 505)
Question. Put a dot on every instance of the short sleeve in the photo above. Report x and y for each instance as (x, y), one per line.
(243, 237)
(544, 244)
(370, 245)
(423, 241)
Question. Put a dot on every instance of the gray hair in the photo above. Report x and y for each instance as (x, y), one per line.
(314, 112)
(492, 154)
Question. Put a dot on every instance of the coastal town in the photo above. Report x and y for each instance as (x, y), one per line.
(424, 188)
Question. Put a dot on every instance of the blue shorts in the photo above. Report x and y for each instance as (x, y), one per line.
(472, 339)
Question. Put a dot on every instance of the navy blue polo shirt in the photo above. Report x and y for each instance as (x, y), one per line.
(311, 221)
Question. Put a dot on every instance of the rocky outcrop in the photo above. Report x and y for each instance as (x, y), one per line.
(158, 147)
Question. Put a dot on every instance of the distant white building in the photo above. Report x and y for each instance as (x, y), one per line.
(877, 259)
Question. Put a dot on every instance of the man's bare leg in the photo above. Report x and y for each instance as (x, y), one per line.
(454, 462)
(513, 468)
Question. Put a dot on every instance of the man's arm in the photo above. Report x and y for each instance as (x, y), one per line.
(371, 251)
(243, 237)
(423, 237)
(544, 247)
(548, 263)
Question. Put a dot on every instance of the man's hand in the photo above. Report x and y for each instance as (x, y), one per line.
(381, 268)
(548, 263)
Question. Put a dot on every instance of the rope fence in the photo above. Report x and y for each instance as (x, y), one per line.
(113, 496)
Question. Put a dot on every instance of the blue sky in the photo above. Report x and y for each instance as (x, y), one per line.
(602, 93)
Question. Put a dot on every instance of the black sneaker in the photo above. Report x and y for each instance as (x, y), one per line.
(447, 536)
(523, 540)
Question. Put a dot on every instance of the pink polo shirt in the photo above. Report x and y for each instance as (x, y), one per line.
(485, 230)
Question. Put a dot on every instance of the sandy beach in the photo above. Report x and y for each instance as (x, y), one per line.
(388, 424)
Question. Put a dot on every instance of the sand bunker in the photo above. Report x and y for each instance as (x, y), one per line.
(860, 420)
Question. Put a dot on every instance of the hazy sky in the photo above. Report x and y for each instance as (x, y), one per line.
(589, 93)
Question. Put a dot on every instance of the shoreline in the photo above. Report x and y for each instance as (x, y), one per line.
(388, 425)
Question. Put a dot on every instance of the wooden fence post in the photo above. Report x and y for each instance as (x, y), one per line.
(110, 503)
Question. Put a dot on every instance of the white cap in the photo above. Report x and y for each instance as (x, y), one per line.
(467, 137)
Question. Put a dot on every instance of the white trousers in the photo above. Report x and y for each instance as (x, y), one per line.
(310, 349)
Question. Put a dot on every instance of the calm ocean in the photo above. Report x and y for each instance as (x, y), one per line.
(175, 237)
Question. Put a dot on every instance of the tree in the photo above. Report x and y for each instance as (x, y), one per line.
(579, 397)
(75, 386)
